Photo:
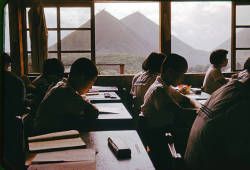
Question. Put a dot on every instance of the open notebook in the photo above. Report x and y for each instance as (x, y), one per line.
(54, 145)
(55, 135)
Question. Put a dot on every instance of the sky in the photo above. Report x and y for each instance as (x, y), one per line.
(203, 25)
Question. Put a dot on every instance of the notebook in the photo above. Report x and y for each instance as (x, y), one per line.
(54, 145)
(55, 135)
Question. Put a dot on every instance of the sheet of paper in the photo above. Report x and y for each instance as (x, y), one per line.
(108, 110)
(65, 156)
(56, 135)
(82, 165)
(56, 144)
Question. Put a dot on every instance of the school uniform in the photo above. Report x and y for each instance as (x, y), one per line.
(213, 80)
(163, 104)
(140, 84)
(61, 107)
(219, 138)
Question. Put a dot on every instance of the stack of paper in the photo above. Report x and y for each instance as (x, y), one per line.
(80, 159)
(55, 135)
(53, 145)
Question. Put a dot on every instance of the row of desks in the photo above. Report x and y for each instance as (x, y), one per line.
(115, 120)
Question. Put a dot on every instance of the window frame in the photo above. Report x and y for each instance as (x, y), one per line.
(234, 48)
(165, 34)
(58, 29)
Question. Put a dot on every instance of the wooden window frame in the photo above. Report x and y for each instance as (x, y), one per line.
(58, 28)
(233, 34)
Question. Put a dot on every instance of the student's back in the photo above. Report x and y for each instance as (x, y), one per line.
(143, 80)
(13, 105)
(214, 79)
(53, 71)
(63, 107)
(219, 138)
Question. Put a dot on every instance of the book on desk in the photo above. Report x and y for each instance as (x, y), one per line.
(55, 136)
(55, 145)
(80, 159)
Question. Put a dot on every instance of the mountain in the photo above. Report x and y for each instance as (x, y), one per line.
(194, 56)
(111, 36)
(242, 40)
(144, 27)
(149, 31)
(134, 36)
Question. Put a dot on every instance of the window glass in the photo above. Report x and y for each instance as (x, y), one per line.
(51, 17)
(243, 37)
(52, 41)
(241, 57)
(198, 28)
(125, 33)
(74, 17)
(76, 40)
(27, 17)
(28, 41)
(243, 15)
(6, 30)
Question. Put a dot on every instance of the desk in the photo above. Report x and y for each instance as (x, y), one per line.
(99, 97)
(105, 159)
(201, 98)
(113, 121)
(110, 121)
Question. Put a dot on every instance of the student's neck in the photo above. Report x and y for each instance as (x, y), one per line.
(69, 84)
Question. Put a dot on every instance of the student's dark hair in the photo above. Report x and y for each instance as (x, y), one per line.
(82, 71)
(153, 62)
(53, 66)
(217, 56)
(6, 59)
(247, 64)
(175, 62)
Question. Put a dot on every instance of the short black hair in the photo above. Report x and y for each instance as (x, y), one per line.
(82, 71)
(53, 66)
(153, 62)
(217, 56)
(247, 64)
(175, 62)
(6, 59)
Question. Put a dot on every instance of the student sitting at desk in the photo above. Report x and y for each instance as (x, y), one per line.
(143, 80)
(53, 72)
(214, 79)
(63, 106)
(162, 101)
(165, 108)
(219, 138)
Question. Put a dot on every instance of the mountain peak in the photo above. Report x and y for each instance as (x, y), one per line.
(104, 13)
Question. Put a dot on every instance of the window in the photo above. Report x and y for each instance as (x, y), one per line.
(6, 47)
(197, 28)
(69, 34)
(242, 32)
(6, 30)
(125, 34)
